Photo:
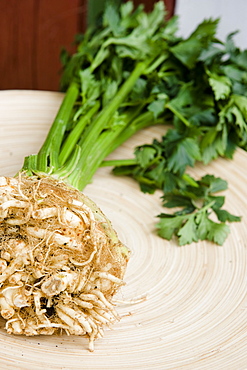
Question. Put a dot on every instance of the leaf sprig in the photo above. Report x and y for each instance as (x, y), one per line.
(194, 220)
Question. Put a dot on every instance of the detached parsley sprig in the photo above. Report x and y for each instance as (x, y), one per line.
(198, 206)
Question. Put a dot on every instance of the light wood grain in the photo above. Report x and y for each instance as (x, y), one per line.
(195, 313)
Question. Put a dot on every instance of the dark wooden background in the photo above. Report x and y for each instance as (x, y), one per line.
(32, 33)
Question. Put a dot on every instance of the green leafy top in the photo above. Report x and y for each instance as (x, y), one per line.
(130, 71)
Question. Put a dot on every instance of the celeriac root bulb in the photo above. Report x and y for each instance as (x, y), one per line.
(61, 261)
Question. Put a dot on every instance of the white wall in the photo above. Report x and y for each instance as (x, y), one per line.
(233, 15)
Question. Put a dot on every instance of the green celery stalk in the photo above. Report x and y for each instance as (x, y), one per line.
(78, 161)
(48, 155)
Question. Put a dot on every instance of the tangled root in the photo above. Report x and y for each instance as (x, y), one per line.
(61, 261)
